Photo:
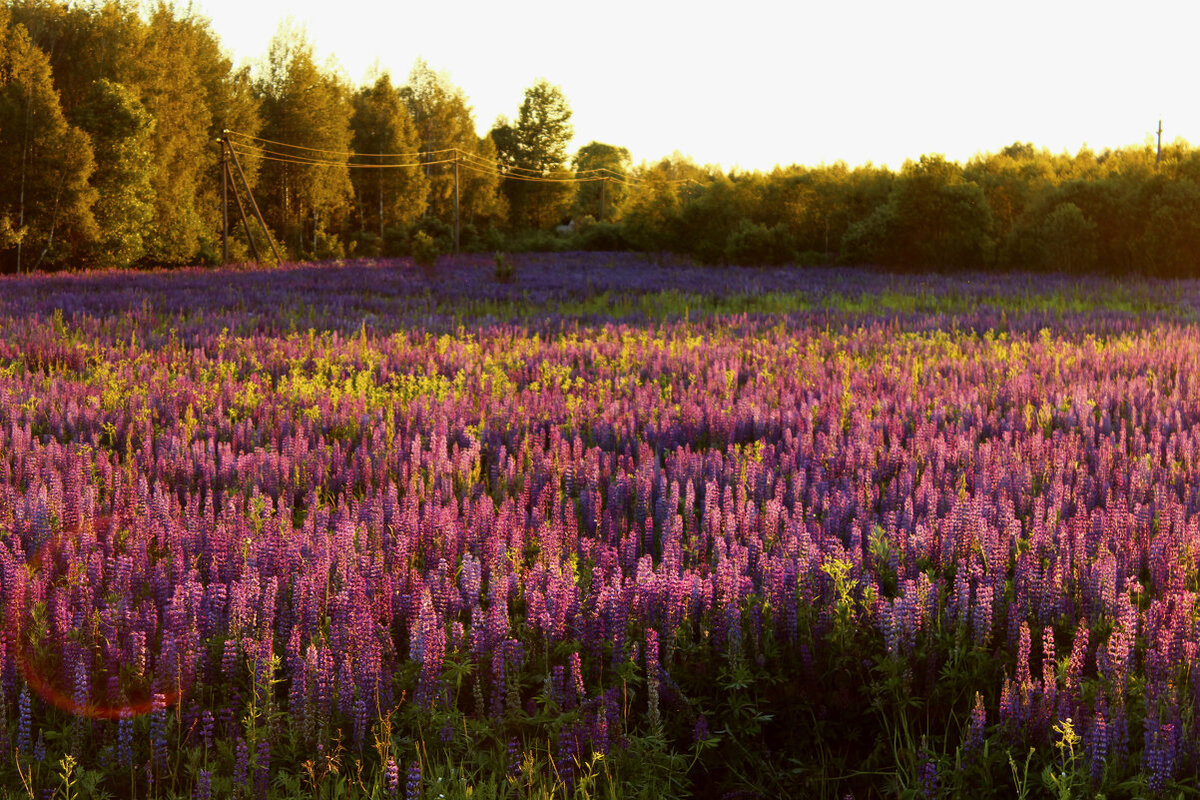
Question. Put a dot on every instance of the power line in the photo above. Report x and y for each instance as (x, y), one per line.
(329, 152)
(463, 158)
(268, 155)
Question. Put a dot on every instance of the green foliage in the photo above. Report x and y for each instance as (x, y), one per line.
(425, 250)
(601, 236)
(504, 271)
(932, 218)
(45, 162)
(599, 199)
(1066, 240)
(1171, 240)
(120, 129)
(442, 120)
(755, 244)
(109, 114)
(381, 124)
(307, 108)
(535, 146)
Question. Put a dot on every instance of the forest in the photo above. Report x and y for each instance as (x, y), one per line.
(111, 117)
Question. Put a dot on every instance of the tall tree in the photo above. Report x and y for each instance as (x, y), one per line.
(310, 110)
(172, 79)
(385, 197)
(598, 199)
(533, 151)
(45, 162)
(120, 130)
(651, 212)
(444, 121)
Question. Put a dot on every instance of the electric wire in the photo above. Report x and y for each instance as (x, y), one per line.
(338, 152)
(469, 161)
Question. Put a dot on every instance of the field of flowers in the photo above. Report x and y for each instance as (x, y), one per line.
(617, 528)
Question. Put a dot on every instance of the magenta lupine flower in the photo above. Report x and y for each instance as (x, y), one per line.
(577, 676)
(391, 777)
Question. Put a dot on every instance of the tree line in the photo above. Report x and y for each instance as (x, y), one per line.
(110, 119)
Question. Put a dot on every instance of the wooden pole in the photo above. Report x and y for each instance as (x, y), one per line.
(603, 196)
(224, 205)
(245, 221)
(1158, 152)
(254, 205)
(456, 227)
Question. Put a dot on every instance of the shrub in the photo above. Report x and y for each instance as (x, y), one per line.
(425, 251)
(603, 236)
(505, 272)
(755, 244)
(364, 244)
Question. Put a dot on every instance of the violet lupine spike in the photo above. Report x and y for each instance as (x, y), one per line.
(412, 787)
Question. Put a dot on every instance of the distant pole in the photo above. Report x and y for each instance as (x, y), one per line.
(245, 221)
(603, 196)
(254, 205)
(456, 228)
(224, 204)
(1158, 153)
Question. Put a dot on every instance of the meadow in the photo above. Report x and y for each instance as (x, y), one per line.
(616, 527)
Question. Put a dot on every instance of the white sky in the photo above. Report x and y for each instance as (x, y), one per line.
(754, 83)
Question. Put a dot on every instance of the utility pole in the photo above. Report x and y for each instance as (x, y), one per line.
(456, 228)
(241, 208)
(1158, 152)
(254, 205)
(224, 205)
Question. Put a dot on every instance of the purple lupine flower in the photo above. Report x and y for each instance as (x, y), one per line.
(930, 786)
(391, 777)
(203, 785)
(158, 730)
(241, 765)
(412, 789)
(83, 685)
(24, 722)
(1095, 740)
(125, 740)
(262, 767)
(207, 726)
(700, 730)
(1158, 757)
(1118, 733)
(513, 758)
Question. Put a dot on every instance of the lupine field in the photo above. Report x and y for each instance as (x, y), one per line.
(616, 528)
